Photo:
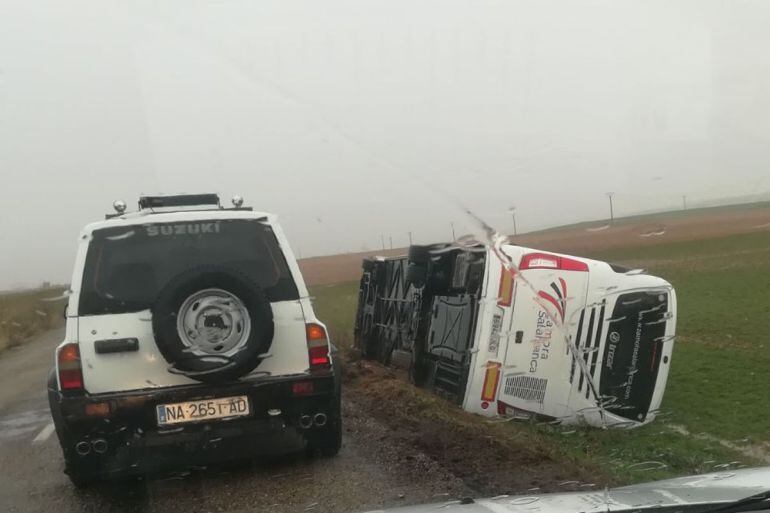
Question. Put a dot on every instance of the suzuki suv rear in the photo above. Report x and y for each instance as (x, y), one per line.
(190, 336)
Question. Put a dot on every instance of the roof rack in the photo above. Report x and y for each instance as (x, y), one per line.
(149, 203)
(179, 200)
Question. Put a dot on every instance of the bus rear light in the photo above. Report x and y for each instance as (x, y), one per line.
(548, 261)
(491, 379)
(505, 292)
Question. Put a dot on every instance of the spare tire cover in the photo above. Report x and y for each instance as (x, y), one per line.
(212, 324)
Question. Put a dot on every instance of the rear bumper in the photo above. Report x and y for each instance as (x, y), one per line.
(129, 439)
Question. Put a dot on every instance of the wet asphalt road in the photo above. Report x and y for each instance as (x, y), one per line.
(370, 472)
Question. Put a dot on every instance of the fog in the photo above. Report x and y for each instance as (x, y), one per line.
(356, 120)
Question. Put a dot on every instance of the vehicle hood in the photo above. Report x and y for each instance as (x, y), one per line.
(707, 488)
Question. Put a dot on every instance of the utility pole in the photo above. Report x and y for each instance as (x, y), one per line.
(391, 241)
(512, 210)
(684, 202)
(453, 232)
(612, 211)
(410, 238)
(382, 240)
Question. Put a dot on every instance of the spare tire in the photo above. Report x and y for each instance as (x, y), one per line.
(212, 324)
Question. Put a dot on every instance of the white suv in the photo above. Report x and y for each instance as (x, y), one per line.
(190, 336)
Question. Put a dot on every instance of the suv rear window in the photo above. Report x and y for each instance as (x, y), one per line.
(126, 267)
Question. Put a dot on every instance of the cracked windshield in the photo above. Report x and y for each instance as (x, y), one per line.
(335, 256)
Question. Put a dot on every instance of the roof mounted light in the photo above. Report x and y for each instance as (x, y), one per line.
(237, 201)
(119, 206)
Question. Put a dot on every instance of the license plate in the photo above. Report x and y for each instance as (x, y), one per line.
(196, 411)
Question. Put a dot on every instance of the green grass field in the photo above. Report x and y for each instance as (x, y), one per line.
(719, 373)
(717, 387)
(26, 313)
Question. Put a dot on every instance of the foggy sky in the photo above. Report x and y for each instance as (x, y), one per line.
(352, 119)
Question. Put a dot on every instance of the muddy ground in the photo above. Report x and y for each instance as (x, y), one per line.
(393, 454)
(484, 455)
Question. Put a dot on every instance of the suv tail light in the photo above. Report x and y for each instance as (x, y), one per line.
(548, 261)
(70, 372)
(317, 346)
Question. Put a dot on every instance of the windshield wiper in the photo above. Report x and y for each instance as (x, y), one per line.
(751, 503)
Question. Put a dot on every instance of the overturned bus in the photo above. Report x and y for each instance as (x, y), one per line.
(515, 332)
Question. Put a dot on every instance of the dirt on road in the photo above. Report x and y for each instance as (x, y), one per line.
(395, 452)
(373, 470)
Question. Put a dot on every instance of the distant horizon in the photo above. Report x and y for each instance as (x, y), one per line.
(694, 209)
(759, 203)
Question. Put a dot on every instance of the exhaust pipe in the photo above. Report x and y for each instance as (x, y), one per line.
(320, 419)
(99, 445)
(305, 421)
(82, 448)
